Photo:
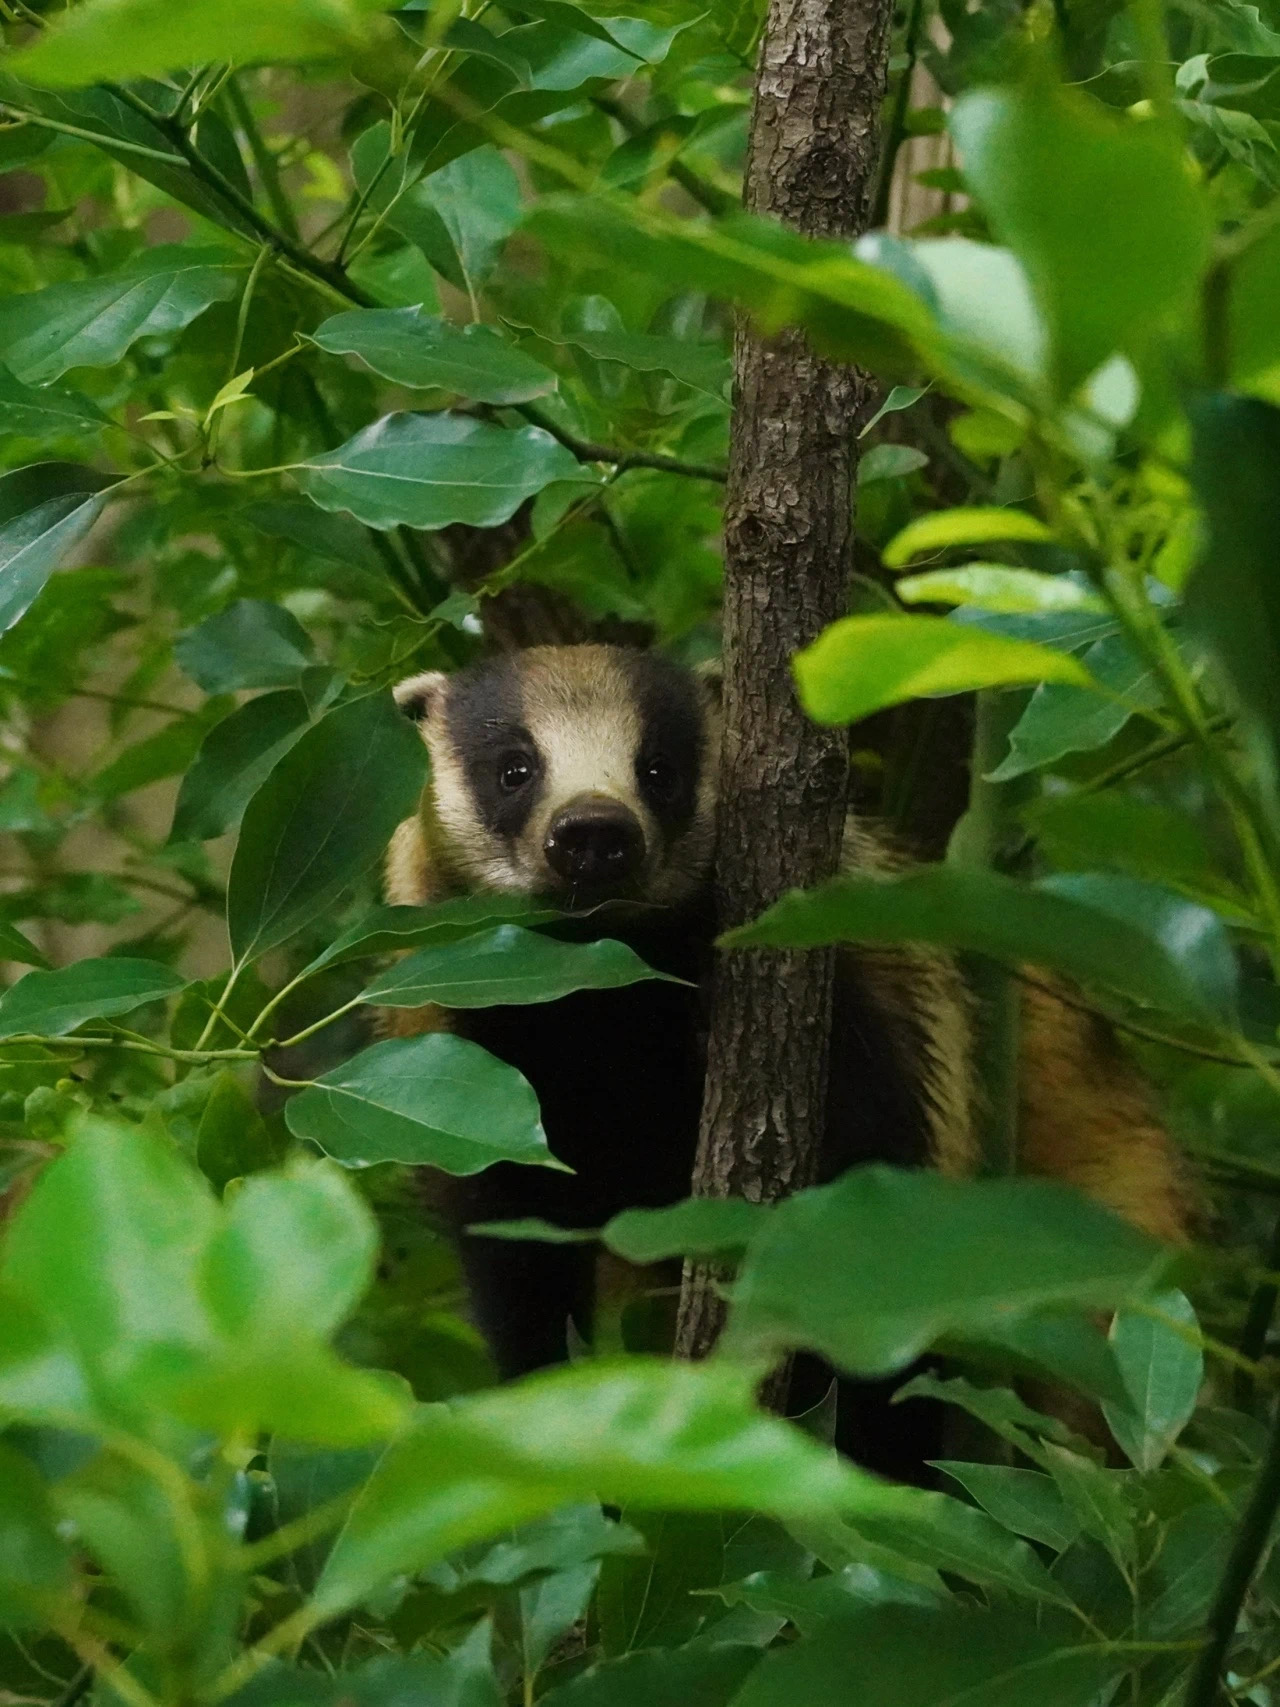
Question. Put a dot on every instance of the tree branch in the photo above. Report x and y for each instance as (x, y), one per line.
(587, 451)
(788, 531)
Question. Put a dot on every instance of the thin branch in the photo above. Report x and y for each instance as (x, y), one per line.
(263, 159)
(76, 130)
(587, 451)
(1206, 1687)
(323, 271)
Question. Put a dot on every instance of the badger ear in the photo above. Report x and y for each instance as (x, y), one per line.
(421, 697)
(711, 674)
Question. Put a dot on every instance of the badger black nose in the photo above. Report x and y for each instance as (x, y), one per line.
(594, 843)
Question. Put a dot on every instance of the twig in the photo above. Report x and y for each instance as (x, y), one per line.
(263, 159)
(587, 451)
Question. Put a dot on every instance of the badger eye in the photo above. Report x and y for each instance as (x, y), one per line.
(658, 777)
(514, 772)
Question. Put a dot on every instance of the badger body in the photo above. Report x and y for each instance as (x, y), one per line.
(586, 775)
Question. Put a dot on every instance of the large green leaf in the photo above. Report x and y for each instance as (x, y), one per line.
(54, 1003)
(436, 1101)
(1025, 1501)
(461, 215)
(867, 663)
(432, 470)
(506, 965)
(1131, 937)
(1062, 719)
(1162, 1372)
(1233, 602)
(909, 1656)
(297, 1247)
(114, 39)
(47, 411)
(414, 348)
(874, 1269)
(92, 322)
(321, 818)
(386, 930)
(235, 758)
(1063, 181)
(45, 511)
(251, 644)
(696, 1227)
(106, 1245)
(639, 1432)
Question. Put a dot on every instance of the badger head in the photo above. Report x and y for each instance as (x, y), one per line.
(581, 773)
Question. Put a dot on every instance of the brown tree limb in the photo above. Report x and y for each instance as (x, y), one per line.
(811, 162)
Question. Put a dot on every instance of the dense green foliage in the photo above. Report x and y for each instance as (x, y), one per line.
(309, 366)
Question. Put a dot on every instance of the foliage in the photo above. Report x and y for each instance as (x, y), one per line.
(316, 363)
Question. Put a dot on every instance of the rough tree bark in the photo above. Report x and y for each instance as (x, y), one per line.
(783, 781)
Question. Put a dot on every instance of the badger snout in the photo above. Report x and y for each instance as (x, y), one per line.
(595, 844)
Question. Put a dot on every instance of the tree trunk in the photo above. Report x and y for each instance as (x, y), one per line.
(788, 526)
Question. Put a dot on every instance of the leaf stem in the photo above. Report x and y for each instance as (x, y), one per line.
(75, 130)
(320, 1024)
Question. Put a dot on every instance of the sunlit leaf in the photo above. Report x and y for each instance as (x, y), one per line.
(866, 663)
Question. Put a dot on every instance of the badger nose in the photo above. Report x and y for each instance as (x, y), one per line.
(594, 843)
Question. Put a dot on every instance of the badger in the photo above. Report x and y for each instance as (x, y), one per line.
(586, 775)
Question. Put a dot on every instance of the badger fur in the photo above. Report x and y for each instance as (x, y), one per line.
(587, 773)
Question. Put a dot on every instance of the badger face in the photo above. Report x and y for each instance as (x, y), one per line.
(582, 773)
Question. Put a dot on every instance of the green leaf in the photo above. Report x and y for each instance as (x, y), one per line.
(437, 1101)
(874, 1269)
(1114, 932)
(118, 39)
(938, 1533)
(55, 1003)
(1025, 1501)
(35, 1566)
(698, 1227)
(106, 1245)
(475, 201)
(431, 470)
(1061, 719)
(908, 1656)
(889, 462)
(92, 322)
(942, 530)
(1232, 599)
(236, 757)
(866, 663)
(47, 411)
(388, 930)
(506, 965)
(231, 1137)
(322, 817)
(14, 946)
(1163, 1374)
(45, 511)
(1096, 1496)
(251, 644)
(992, 587)
(702, 367)
(700, 1674)
(640, 1432)
(1122, 833)
(297, 1246)
(413, 348)
(1062, 181)
(165, 753)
